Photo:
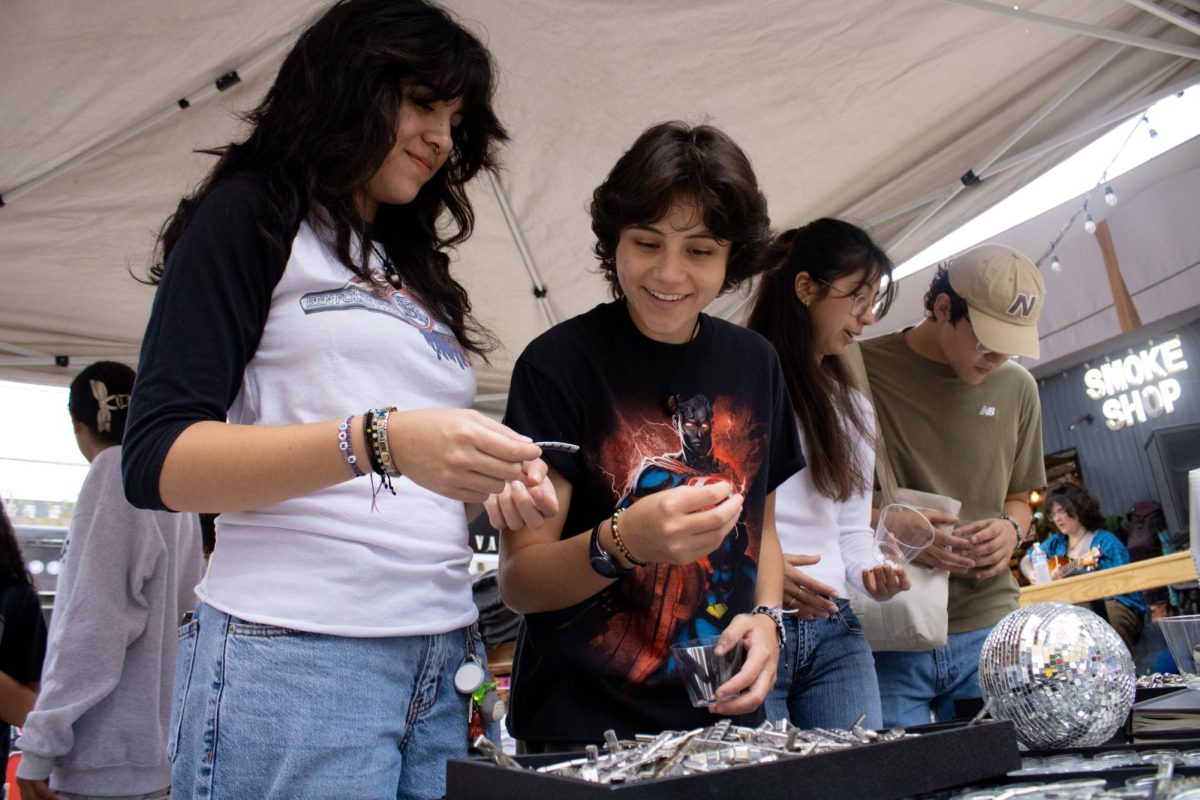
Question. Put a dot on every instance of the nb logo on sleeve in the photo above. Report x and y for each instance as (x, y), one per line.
(987, 411)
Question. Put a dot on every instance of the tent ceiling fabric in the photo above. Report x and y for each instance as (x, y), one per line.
(846, 109)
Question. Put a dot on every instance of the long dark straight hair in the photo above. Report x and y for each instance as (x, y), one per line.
(826, 249)
(329, 121)
(12, 562)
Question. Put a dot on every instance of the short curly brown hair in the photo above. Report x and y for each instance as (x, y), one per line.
(1076, 502)
(674, 161)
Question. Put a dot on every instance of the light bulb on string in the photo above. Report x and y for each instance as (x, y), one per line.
(1150, 128)
(1089, 224)
(1055, 264)
(1110, 197)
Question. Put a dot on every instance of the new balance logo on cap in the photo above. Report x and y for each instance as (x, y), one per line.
(1022, 304)
(1004, 293)
(987, 411)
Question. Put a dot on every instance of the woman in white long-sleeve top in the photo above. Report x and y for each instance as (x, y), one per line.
(824, 288)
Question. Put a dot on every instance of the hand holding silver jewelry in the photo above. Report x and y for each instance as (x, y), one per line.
(680, 525)
(458, 453)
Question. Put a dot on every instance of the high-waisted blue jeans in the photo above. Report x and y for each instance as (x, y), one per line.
(826, 674)
(275, 714)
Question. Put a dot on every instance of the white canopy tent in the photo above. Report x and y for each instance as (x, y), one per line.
(868, 109)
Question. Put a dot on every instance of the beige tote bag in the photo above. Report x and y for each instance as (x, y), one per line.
(916, 619)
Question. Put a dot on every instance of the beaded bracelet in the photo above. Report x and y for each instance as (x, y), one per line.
(620, 544)
(347, 447)
(368, 438)
(381, 460)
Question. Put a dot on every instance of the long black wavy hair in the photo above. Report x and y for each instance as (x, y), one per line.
(826, 249)
(329, 121)
(12, 562)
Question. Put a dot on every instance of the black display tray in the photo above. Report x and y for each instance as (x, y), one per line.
(882, 771)
(1114, 777)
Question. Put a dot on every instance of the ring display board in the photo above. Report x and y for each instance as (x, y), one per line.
(928, 762)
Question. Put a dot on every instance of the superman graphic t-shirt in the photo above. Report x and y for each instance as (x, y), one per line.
(648, 417)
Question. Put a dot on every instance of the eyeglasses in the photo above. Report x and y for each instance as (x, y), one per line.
(983, 351)
(860, 303)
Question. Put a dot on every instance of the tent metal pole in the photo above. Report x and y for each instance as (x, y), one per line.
(539, 288)
(73, 362)
(1126, 111)
(1095, 66)
(1170, 16)
(1078, 27)
(20, 350)
(227, 81)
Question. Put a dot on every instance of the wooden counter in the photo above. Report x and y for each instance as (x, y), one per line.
(1150, 573)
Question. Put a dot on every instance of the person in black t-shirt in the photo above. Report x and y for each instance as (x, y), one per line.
(22, 635)
(666, 524)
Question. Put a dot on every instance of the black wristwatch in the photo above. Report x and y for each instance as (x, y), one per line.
(602, 562)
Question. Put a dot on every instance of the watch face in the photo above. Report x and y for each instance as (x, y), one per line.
(604, 566)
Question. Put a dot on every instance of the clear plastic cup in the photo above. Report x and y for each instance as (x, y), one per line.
(1183, 638)
(902, 534)
(703, 671)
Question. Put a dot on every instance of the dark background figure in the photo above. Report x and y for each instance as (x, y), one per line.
(23, 637)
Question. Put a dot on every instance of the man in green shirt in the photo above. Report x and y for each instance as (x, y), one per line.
(961, 419)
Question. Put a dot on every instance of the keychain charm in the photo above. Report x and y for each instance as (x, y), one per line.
(469, 676)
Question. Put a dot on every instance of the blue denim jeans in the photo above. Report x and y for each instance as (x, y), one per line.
(276, 714)
(826, 673)
(913, 684)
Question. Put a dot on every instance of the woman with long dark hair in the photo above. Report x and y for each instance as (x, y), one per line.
(22, 635)
(666, 532)
(828, 281)
(306, 332)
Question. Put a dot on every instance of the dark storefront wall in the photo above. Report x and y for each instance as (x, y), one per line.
(1114, 463)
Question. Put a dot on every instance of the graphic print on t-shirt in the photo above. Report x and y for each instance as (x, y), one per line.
(381, 297)
(636, 620)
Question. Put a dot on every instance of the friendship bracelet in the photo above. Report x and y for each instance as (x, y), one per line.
(369, 439)
(620, 544)
(347, 447)
(382, 462)
(775, 613)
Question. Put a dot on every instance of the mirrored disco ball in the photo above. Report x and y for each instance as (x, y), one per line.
(1060, 673)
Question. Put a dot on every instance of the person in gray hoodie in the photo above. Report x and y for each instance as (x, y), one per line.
(100, 725)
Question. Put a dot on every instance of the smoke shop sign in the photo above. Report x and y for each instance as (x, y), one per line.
(1138, 387)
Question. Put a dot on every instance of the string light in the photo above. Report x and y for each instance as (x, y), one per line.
(1153, 133)
(1110, 198)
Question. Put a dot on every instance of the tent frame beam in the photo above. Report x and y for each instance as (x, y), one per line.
(1170, 16)
(1094, 31)
(1089, 71)
(221, 84)
(1125, 111)
(514, 229)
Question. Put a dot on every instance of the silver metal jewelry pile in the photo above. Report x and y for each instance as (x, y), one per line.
(719, 746)
(1161, 679)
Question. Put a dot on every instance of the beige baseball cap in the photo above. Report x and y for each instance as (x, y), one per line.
(1005, 293)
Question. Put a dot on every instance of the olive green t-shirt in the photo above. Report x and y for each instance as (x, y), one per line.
(973, 443)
